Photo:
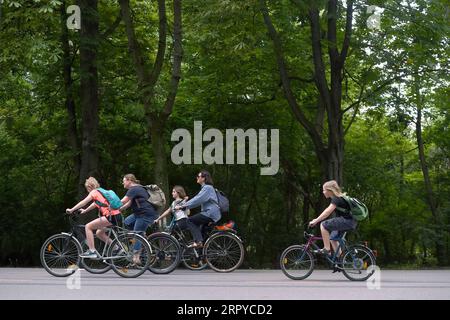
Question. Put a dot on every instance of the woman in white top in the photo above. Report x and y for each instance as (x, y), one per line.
(180, 215)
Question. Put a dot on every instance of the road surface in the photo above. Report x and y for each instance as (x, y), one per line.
(36, 283)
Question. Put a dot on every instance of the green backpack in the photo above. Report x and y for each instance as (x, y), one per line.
(358, 209)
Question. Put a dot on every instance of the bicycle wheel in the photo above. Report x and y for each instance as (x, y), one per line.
(95, 266)
(356, 262)
(224, 252)
(296, 262)
(133, 256)
(166, 253)
(191, 260)
(60, 255)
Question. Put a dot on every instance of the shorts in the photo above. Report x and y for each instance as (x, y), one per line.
(115, 220)
(337, 226)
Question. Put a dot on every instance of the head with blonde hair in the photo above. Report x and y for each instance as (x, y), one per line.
(332, 189)
(91, 183)
(129, 180)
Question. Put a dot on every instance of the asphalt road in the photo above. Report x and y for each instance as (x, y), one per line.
(36, 283)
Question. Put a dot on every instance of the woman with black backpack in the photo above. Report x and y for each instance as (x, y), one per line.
(210, 211)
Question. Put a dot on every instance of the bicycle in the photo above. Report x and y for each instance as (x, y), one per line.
(223, 250)
(60, 253)
(356, 261)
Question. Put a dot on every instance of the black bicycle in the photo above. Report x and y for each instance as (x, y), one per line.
(223, 250)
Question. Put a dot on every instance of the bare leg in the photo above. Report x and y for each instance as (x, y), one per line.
(94, 225)
(335, 245)
(325, 237)
(101, 234)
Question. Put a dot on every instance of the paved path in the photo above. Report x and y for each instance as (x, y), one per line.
(36, 283)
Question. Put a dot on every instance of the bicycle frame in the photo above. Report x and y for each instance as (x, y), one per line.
(110, 230)
(178, 234)
(311, 243)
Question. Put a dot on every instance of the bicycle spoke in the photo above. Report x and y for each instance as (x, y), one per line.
(356, 262)
(224, 253)
(59, 253)
(296, 263)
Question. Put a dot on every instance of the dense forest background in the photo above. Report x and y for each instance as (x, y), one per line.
(358, 89)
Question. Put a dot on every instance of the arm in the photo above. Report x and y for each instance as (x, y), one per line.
(80, 204)
(126, 203)
(91, 207)
(164, 214)
(325, 214)
(200, 198)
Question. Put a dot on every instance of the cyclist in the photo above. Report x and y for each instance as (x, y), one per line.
(144, 214)
(108, 217)
(336, 226)
(180, 216)
(210, 211)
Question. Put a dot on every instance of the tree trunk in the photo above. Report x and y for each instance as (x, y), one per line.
(305, 208)
(330, 156)
(160, 155)
(72, 132)
(89, 37)
(1, 8)
(440, 248)
(147, 80)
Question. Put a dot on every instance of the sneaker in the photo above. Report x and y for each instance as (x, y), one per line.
(323, 251)
(336, 269)
(90, 254)
(195, 245)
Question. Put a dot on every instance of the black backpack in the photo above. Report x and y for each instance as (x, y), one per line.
(223, 202)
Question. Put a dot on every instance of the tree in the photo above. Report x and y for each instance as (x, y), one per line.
(89, 99)
(148, 78)
(330, 154)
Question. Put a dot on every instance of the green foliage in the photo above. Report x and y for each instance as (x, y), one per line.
(230, 80)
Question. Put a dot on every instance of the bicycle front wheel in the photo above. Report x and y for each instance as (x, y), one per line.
(296, 262)
(224, 252)
(357, 263)
(166, 253)
(129, 255)
(60, 255)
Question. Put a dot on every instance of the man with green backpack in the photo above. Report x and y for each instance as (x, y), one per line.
(349, 211)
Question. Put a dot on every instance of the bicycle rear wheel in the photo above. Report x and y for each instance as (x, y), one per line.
(60, 255)
(95, 266)
(133, 256)
(224, 252)
(166, 253)
(296, 262)
(357, 262)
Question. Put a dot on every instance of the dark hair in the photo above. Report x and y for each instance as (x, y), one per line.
(208, 179)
